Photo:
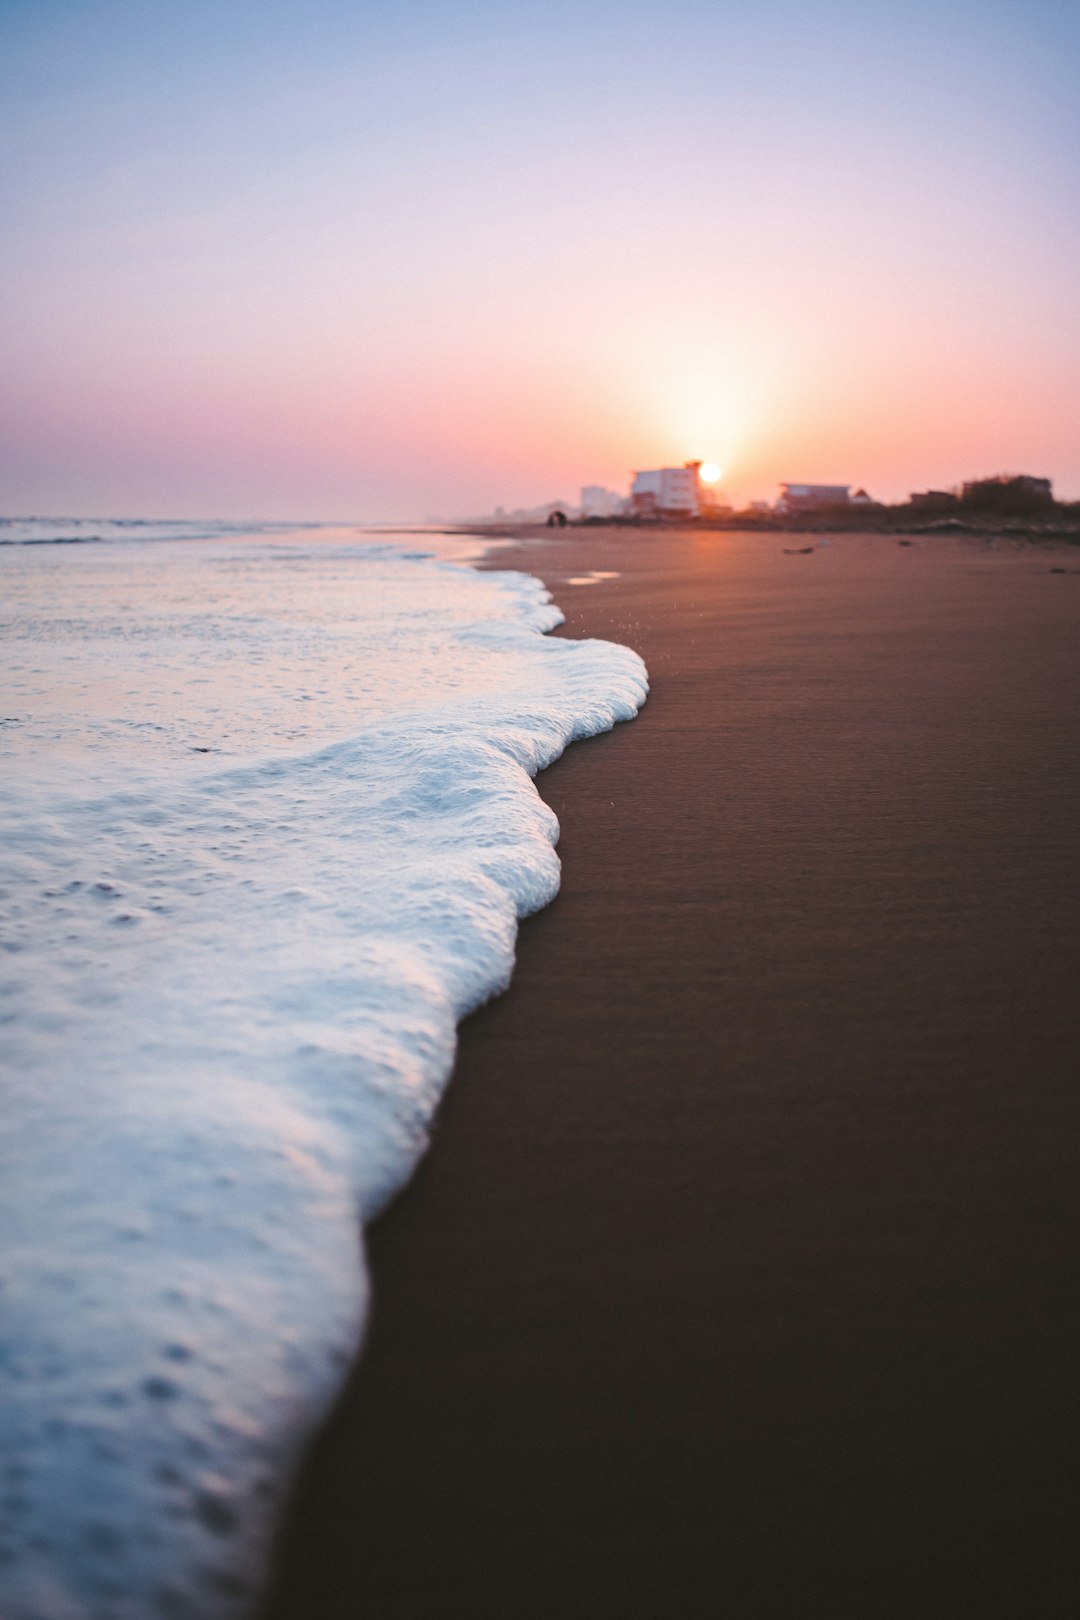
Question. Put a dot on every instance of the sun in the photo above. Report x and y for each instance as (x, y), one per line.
(710, 473)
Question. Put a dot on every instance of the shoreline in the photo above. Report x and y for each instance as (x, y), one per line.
(738, 1275)
(892, 522)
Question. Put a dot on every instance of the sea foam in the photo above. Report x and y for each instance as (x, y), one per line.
(269, 826)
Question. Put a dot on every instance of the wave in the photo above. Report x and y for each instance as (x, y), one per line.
(235, 978)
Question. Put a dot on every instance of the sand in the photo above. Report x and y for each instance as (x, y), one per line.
(740, 1278)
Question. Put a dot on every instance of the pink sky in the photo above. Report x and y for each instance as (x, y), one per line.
(437, 259)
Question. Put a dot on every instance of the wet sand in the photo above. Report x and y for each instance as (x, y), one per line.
(741, 1277)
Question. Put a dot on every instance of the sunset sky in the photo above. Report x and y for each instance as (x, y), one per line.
(335, 259)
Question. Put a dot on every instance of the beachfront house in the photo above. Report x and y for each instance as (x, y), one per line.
(598, 502)
(811, 497)
(1014, 484)
(666, 492)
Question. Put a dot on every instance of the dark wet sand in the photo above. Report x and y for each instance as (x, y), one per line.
(741, 1278)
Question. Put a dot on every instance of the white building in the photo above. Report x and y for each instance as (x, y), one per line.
(673, 491)
(596, 501)
(807, 497)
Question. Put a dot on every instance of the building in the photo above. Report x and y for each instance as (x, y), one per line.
(1010, 484)
(809, 497)
(598, 502)
(667, 491)
(933, 497)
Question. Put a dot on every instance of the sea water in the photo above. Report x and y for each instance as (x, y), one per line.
(269, 823)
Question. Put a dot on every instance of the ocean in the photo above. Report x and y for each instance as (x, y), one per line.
(269, 824)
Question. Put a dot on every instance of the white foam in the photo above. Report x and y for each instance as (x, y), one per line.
(233, 983)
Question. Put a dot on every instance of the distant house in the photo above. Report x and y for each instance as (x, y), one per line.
(598, 502)
(932, 497)
(861, 498)
(1010, 484)
(809, 497)
(666, 491)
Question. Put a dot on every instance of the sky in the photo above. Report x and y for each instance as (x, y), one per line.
(341, 260)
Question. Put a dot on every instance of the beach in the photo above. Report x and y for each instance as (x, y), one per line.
(739, 1277)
